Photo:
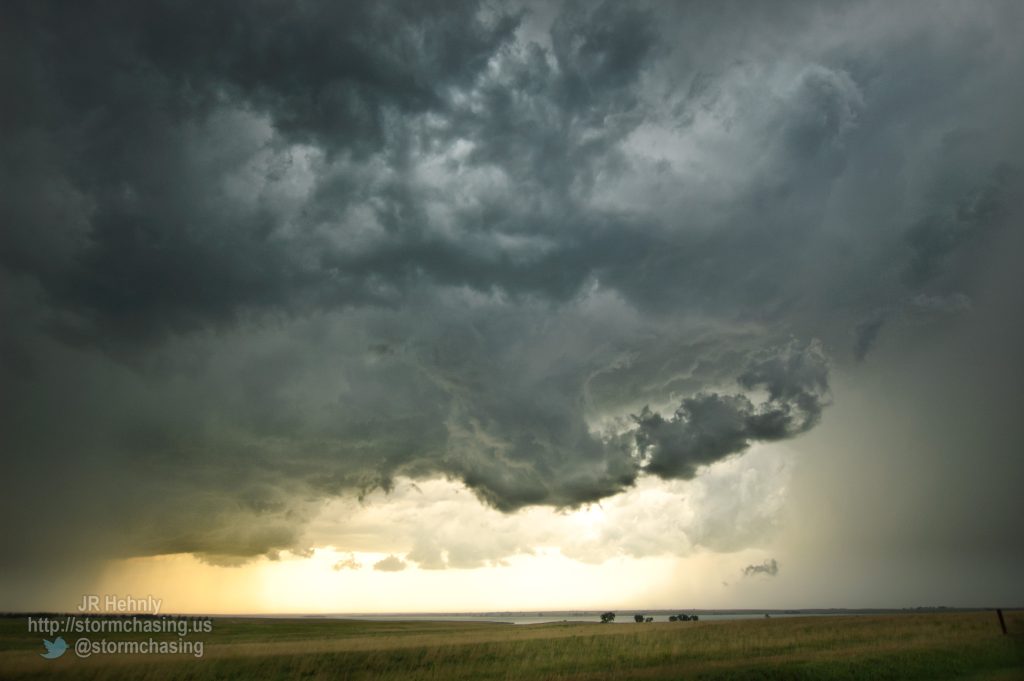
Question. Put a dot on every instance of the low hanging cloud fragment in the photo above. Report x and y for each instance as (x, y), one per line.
(347, 563)
(390, 564)
(769, 568)
(866, 334)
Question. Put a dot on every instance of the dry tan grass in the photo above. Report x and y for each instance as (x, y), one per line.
(575, 651)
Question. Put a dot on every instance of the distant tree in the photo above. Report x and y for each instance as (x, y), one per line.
(649, 619)
(694, 618)
(683, 618)
(607, 617)
(672, 618)
(638, 618)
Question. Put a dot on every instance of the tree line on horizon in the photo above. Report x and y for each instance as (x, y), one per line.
(641, 618)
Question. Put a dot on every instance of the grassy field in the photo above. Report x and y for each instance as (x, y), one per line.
(912, 646)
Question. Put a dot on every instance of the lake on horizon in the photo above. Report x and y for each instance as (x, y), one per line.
(519, 618)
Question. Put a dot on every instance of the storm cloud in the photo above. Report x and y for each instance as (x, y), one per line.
(768, 568)
(709, 426)
(257, 256)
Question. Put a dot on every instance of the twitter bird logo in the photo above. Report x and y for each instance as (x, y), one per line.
(55, 648)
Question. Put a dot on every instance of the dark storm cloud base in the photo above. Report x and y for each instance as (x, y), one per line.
(255, 255)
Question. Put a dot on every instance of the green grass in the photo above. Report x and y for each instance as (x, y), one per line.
(912, 646)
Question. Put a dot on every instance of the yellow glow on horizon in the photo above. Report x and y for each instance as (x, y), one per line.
(535, 559)
(543, 581)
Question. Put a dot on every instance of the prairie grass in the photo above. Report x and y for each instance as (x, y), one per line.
(910, 646)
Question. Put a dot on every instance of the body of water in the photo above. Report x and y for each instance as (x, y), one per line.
(625, 617)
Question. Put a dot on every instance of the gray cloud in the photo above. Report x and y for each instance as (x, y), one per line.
(390, 564)
(256, 257)
(768, 568)
(710, 426)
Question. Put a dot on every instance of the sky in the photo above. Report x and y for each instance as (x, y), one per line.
(473, 306)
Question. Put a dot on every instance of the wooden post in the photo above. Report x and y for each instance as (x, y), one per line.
(1002, 622)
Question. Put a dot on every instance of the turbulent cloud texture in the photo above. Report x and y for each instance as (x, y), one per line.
(709, 426)
(256, 256)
